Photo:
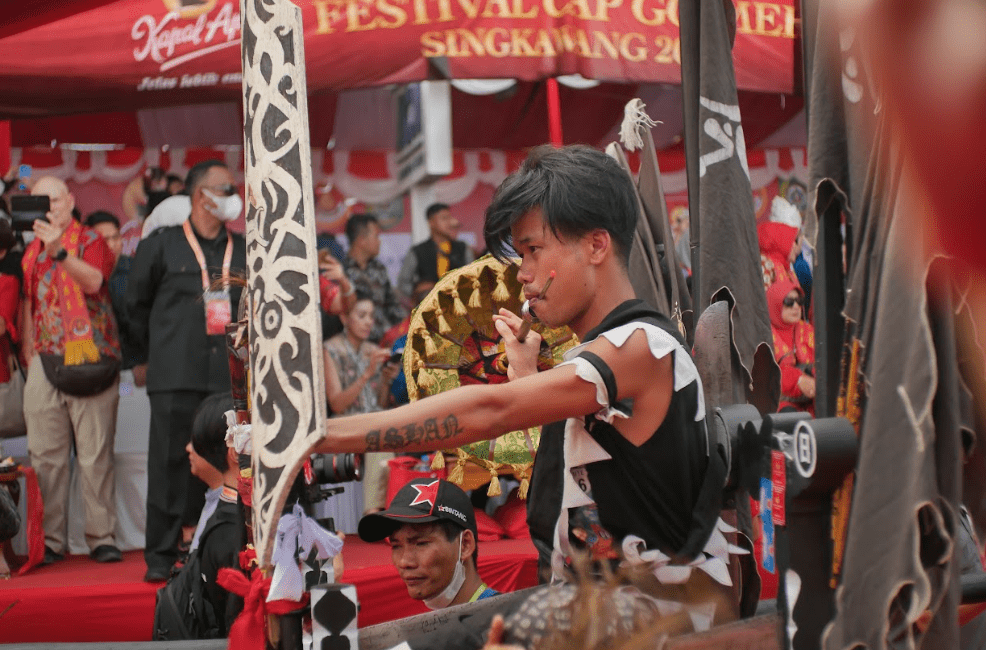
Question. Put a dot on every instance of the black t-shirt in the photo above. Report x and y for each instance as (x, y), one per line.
(220, 548)
(166, 313)
(650, 491)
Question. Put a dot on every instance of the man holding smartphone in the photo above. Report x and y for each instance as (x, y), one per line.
(72, 354)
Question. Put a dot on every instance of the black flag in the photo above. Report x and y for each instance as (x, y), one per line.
(725, 252)
(900, 385)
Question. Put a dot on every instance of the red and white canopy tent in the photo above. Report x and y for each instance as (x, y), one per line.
(160, 80)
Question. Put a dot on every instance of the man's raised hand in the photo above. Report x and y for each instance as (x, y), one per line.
(522, 357)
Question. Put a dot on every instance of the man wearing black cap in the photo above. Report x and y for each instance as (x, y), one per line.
(432, 531)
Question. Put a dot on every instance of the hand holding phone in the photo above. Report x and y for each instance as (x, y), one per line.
(25, 210)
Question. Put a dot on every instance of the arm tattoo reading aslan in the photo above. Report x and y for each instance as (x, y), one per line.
(396, 438)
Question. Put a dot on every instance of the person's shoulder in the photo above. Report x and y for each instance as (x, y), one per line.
(157, 240)
(164, 233)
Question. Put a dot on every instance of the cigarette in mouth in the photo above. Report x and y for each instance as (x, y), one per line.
(525, 327)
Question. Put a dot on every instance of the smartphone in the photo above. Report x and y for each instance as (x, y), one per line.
(25, 210)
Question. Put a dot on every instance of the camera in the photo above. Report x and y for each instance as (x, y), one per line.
(25, 210)
(337, 468)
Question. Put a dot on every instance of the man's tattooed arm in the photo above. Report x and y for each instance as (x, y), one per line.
(428, 433)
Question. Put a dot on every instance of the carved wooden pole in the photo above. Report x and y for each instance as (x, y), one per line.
(287, 382)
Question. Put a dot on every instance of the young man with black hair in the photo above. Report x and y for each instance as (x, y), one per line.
(431, 527)
(209, 457)
(434, 257)
(179, 328)
(202, 608)
(625, 460)
(369, 275)
(108, 226)
(219, 534)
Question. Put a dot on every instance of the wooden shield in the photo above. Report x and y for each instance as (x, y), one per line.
(452, 342)
(287, 381)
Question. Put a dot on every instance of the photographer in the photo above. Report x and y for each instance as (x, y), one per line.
(72, 354)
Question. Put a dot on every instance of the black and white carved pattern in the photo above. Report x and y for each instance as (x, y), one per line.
(287, 382)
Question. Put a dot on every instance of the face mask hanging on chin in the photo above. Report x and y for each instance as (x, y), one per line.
(227, 208)
(448, 594)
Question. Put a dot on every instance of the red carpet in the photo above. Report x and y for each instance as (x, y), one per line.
(78, 600)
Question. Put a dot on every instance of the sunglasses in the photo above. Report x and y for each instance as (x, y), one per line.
(223, 190)
(791, 302)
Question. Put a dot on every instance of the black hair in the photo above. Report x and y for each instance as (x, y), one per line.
(453, 530)
(358, 224)
(209, 429)
(435, 208)
(174, 178)
(361, 295)
(102, 216)
(578, 190)
(198, 172)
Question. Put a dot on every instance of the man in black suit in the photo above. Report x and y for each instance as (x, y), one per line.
(179, 327)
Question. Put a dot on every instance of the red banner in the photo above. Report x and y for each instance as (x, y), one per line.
(142, 53)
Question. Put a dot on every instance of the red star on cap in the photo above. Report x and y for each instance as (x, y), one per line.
(427, 493)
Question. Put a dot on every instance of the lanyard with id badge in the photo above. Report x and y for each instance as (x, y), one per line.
(218, 308)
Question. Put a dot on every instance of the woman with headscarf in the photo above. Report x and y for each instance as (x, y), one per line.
(779, 247)
(794, 346)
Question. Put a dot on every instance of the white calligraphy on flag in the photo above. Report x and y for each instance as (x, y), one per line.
(729, 137)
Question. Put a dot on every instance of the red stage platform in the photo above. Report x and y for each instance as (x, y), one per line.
(78, 600)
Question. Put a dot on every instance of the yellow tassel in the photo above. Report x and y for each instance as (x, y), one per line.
(494, 490)
(523, 473)
(425, 380)
(438, 460)
(80, 352)
(525, 484)
(457, 305)
(458, 473)
(443, 327)
(430, 349)
(501, 293)
(476, 299)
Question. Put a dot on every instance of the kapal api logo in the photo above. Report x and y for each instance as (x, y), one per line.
(188, 30)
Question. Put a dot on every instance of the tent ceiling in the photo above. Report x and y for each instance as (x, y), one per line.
(362, 119)
(130, 55)
(22, 16)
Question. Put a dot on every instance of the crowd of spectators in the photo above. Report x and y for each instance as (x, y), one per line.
(76, 312)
